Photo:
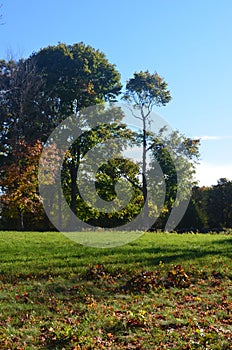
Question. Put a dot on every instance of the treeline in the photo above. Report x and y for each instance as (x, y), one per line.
(210, 208)
(39, 93)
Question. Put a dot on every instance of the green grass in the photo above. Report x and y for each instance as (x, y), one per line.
(161, 291)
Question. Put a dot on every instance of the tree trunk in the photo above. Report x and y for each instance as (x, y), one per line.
(59, 208)
(21, 221)
(73, 173)
(144, 171)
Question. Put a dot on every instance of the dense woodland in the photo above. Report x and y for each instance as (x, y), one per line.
(38, 93)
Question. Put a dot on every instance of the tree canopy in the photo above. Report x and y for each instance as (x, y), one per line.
(146, 90)
(38, 93)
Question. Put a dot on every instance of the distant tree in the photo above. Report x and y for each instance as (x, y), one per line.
(219, 204)
(215, 204)
(193, 219)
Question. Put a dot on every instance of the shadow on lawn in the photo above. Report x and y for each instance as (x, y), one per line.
(171, 255)
(132, 254)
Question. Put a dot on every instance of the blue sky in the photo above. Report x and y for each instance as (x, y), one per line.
(186, 42)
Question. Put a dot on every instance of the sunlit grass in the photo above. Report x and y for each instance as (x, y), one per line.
(57, 294)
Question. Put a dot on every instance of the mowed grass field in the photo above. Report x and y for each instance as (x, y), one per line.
(161, 291)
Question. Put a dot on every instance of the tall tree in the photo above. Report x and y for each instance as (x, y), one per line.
(76, 77)
(38, 93)
(219, 204)
(145, 91)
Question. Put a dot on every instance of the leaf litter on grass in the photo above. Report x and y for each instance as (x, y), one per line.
(99, 304)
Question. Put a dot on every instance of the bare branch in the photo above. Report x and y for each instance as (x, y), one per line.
(132, 112)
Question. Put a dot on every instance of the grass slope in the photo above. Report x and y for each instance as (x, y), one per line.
(162, 291)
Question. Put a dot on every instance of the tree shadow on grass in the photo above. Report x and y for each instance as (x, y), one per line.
(151, 256)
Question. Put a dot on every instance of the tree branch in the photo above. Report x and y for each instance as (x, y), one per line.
(133, 183)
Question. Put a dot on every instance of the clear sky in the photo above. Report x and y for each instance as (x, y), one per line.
(188, 42)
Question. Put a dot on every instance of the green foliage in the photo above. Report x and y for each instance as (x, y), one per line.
(177, 156)
(146, 90)
(194, 218)
(219, 208)
(36, 94)
(76, 76)
(215, 203)
(108, 175)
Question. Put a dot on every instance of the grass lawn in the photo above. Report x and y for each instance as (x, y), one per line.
(161, 291)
